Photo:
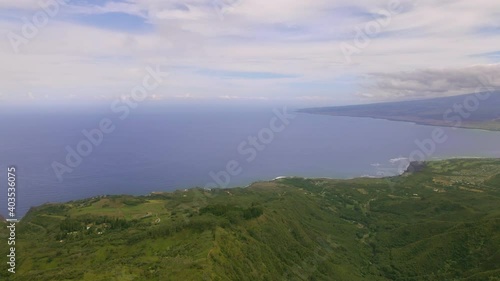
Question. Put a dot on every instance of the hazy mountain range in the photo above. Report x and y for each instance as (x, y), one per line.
(480, 111)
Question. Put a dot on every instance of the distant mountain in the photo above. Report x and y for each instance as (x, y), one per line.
(479, 111)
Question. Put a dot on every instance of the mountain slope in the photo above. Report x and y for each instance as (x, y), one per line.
(480, 111)
(440, 223)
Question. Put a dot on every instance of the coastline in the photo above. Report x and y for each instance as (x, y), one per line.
(34, 208)
(211, 227)
(423, 123)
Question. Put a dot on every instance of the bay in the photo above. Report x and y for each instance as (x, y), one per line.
(181, 147)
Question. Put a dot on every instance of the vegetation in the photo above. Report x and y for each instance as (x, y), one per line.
(455, 111)
(440, 222)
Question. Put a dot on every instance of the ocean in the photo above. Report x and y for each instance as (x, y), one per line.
(165, 149)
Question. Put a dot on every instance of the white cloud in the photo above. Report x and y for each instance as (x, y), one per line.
(19, 4)
(435, 82)
(437, 42)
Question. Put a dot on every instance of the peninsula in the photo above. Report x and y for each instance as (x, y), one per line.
(472, 111)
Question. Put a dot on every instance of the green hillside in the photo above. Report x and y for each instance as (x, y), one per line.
(440, 223)
(473, 111)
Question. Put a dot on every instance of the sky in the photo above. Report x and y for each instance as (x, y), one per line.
(322, 52)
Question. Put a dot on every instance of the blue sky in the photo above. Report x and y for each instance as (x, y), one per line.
(115, 21)
(286, 51)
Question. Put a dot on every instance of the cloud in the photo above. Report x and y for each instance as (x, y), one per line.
(19, 4)
(267, 48)
(229, 97)
(315, 98)
(433, 82)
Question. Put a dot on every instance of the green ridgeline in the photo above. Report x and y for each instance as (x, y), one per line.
(440, 223)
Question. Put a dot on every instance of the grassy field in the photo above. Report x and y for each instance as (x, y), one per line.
(440, 223)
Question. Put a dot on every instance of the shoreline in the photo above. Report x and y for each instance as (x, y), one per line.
(249, 185)
(422, 123)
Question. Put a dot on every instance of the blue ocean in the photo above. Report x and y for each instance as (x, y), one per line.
(176, 147)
